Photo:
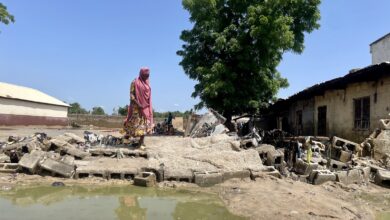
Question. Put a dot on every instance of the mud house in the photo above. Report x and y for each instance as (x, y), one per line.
(348, 106)
(26, 106)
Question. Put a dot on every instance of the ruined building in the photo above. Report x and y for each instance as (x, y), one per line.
(26, 106)
(348, 106)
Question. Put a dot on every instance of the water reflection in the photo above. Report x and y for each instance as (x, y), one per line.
(128, 202)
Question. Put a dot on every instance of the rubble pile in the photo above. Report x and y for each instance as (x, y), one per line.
(313, 160)
(212, 157)
(205, 161)
(317, 160)
(60, 155)
(210, 123)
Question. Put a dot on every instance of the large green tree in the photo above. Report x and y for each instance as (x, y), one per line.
(235, 46)
(5, 16)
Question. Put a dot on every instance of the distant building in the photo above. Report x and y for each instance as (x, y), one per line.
(26, 106)
(380, 50)
(349, 107)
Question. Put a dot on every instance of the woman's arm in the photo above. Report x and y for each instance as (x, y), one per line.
(133, 95)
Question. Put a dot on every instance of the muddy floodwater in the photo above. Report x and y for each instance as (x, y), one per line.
(384, 216)
(117, 202)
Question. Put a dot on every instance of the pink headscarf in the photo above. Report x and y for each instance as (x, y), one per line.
(143, 95)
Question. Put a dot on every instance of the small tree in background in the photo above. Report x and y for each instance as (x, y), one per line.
(123, 110)
(75, 108)
(98, 111)
(234, 47)
(174, 114)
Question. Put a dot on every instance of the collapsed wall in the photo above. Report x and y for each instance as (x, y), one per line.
(204, 160)
(176, 158)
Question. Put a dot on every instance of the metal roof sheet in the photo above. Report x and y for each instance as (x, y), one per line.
(366, 74)
(11, 91)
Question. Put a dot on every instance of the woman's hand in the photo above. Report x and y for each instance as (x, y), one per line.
(142, 106)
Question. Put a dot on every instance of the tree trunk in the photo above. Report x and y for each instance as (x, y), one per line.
(231, 126)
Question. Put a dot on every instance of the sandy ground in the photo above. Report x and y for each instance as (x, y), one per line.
(271, 198)
(265, 198)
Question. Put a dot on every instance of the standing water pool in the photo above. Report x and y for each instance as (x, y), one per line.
(115, 202)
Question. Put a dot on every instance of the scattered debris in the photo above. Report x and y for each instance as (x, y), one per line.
(209, 124)
(382, 178)
(208, 178)
(146, 179)
(9, 167)
(320, 159)
(30, 161)
(209, 157)
(4, 158)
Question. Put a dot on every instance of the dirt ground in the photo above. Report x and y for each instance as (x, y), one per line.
(271, 198)
(265, 198)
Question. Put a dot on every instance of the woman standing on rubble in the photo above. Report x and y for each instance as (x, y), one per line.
(139, 121)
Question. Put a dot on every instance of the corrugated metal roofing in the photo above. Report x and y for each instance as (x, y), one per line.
(369, 73)
(11, 91)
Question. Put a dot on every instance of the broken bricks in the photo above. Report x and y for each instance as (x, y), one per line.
(239, 174)
(385, 124)
(31, 161)
(9, 167)
(4, 158)
(343, 144)
(67, 148)
(208, 178)
(263, 150)
(345, 156)
(248, 143)
(146, 179)
(303, 168)
(318, 177)
(57, 167)
(337, 165)
(353, 176)
(267, 170)
(382, 178)
(71, 150)
(64, 165)
(275, 158)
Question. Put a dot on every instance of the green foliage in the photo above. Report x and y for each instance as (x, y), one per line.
(174, 114)
(235, 46)
(123, 110)
(5, 16)
(75, 108)
(98, 111)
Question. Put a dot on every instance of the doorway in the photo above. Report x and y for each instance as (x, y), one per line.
(321, 122)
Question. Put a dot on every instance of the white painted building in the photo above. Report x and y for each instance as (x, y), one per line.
(380, 50)
(26, 106)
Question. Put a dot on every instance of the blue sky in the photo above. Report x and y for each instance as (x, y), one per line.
(89, 51)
